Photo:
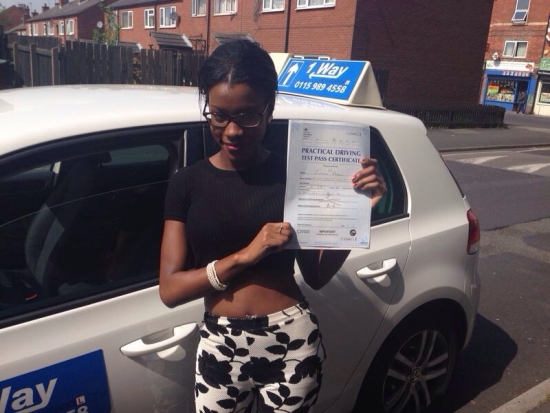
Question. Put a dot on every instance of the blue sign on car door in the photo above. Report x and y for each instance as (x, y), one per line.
(78, 385)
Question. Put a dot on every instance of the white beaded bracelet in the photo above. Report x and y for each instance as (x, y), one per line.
(213, 277)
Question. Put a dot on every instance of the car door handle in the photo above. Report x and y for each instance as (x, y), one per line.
(366, 272)
(139, 348)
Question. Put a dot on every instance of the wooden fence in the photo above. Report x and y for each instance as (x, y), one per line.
(42, 61)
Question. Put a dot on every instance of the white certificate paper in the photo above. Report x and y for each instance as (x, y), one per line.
(320, 202)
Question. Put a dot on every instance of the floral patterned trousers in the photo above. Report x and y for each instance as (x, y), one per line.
(261, 364)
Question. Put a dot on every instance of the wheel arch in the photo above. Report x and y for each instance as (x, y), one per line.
(442, 308)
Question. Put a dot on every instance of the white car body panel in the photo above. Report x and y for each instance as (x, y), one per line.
(109, 325)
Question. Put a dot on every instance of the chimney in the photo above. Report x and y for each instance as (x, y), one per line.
(63, 2)
(25, 10)
(45, 8)
(34, 13)
(26, 13)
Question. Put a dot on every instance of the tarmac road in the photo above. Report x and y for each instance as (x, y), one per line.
(519, 131)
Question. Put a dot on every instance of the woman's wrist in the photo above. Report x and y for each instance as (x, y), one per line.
(220, 273)
(239, 260)
(212, 275)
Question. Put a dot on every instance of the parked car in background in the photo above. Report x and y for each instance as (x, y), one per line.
(83, 175)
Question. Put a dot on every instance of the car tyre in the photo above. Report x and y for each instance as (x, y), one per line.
(413, 369)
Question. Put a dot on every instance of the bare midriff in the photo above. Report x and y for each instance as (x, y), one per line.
(255, 294)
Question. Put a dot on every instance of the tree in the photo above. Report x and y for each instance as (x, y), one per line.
(111, 29)
(2, 17)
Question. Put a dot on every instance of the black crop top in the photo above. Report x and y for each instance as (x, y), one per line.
(224, 210)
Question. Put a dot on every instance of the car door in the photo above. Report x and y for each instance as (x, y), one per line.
(81, 324)
(353, 305)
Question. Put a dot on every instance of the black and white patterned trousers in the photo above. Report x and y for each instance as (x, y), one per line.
(261, 364)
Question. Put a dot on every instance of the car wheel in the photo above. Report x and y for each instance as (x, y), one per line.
(413, 368)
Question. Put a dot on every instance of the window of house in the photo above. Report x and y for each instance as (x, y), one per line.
(126, 19)
(61, 27)
(29, 29)
(35, 29)
(515, 49)
(198, 7)
(70, 27)
(545, 93)
(272, 5)
(50, 28)
(520, 14)
(304, 4)
(149, 18)
(44, 30)
(165, 19)
(225, 6)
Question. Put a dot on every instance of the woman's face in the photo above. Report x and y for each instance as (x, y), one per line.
(241, 147)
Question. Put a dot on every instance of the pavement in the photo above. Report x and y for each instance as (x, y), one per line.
(520, 131)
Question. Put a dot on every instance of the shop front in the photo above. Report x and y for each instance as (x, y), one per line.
(503, 82)
(542, 96)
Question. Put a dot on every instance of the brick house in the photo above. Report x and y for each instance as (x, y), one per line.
(67, 20)
(432, 51)
(14, 16)
(516, 56)
(145, 23)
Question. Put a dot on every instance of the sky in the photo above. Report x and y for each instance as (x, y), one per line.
(33, 5)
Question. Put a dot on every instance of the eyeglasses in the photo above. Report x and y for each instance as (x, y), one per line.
(244, 120)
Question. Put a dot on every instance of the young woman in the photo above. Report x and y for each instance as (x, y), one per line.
(224, 240)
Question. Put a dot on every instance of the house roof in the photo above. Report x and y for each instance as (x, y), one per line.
(136, 46)
(172, 40)
(120, 4)
(12, 16)
(70, 9)
(227, 37)
(21, 27)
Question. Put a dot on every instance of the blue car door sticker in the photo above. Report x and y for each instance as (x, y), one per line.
(78, 385)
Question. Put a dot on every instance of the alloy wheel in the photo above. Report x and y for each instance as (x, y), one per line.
(417, 373)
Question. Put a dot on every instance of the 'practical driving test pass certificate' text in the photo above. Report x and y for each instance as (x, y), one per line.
(320, 202)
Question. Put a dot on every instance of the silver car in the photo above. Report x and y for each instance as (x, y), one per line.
(83, 175)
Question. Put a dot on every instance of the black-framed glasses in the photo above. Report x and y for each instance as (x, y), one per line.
(244, 120)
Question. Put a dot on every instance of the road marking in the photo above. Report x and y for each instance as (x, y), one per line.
(479, 161)
(529, 169)
(477, 152)
(533, 129)
(529, 400)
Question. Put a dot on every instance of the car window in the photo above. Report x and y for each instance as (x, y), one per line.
(149, 153)
(394, 203)
(89, 226)
(200, 144)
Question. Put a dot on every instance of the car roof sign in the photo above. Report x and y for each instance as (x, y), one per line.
(349, 82)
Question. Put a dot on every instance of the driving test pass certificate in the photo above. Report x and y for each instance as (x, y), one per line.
(320, 202)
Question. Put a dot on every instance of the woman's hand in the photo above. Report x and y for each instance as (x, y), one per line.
(368, 178)
(271, 238)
